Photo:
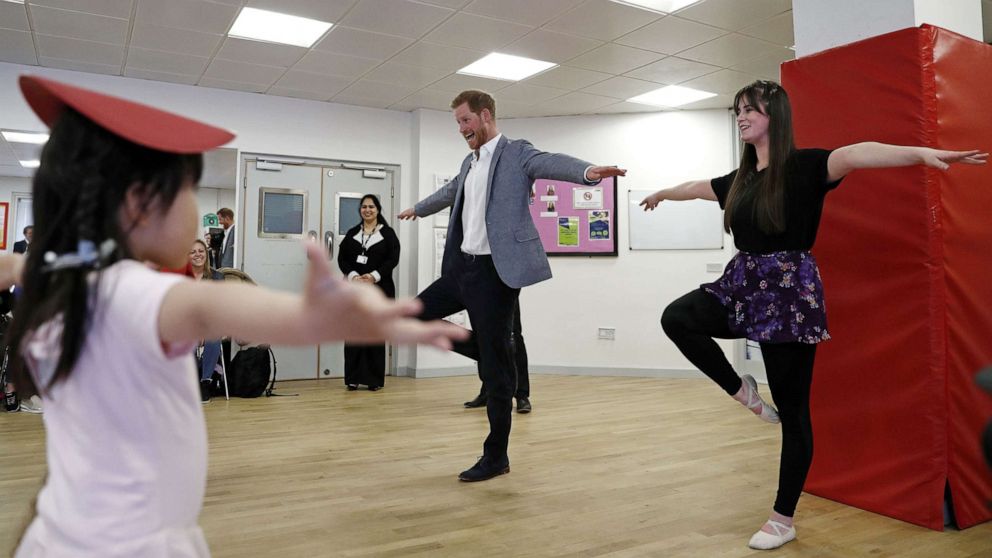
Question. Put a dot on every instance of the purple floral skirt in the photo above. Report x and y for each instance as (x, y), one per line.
(773, 298)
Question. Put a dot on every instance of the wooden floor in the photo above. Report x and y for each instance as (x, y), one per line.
(602, 467)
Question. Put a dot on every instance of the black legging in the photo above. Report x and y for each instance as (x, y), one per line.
(692, 322)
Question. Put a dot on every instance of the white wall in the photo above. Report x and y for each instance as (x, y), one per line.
(561, 316)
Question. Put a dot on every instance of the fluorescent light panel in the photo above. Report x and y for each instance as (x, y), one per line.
(25, 137)
(15, 1)
(663, 6)
(31, 164)
(671, 96)
(274, 27)
(505, 67)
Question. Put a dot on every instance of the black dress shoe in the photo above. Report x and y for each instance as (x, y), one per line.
(352, 387)
(523, 405)
(479, 401)
(375, 388)
(485, 469)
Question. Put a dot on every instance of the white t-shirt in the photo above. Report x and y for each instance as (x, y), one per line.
(126, 438)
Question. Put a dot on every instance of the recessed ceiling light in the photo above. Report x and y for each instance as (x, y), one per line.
(663, 6)
(31, 164)
(274, 27)
(25, 137)
(505, 67)
(671, 96)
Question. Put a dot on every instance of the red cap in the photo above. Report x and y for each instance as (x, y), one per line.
(141, 124)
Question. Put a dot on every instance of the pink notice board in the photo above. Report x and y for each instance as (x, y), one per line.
(575, 219)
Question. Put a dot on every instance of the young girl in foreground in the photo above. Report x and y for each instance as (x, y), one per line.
(771, 290)
(108, 341)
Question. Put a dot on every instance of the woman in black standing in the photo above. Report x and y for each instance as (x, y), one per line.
(369, 252)
(771, 291)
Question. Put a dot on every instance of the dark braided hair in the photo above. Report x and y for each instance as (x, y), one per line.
(78, 191)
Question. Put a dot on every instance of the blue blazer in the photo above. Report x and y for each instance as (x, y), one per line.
(518, 255)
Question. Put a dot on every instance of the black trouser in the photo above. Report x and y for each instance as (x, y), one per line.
(692, 322)
(519, 358)
(473, 285)
(365, 364)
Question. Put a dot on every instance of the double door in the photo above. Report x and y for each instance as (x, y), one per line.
(299, 199)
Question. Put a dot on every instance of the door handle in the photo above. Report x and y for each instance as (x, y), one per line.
(329, 244)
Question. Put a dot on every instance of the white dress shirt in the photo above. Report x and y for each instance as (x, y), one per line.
(476, 240)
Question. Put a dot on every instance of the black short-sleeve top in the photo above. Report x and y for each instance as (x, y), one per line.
(806, 187)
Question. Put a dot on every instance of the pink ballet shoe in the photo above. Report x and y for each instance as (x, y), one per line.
(755, 403)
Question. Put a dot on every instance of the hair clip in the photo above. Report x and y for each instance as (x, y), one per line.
(85, 256)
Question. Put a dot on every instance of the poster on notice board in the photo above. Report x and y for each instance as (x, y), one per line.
(575, 219)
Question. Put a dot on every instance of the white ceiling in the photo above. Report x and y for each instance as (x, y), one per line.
(402, 54)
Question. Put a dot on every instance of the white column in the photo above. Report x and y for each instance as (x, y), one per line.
(823, 24)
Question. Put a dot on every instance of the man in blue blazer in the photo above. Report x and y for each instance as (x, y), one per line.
(492, 251)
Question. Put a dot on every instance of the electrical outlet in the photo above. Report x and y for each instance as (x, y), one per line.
(609, 333)
(714, 268)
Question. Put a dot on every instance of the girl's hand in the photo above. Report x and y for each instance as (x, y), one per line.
(652, 201)
(942, 160)
(334, 309)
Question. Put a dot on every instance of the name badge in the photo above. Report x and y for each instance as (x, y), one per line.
(362, 259)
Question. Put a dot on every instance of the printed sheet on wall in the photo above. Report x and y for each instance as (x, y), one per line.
(575, 219)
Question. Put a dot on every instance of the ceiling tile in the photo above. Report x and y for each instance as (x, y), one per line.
(776, 30)
(624, 107)
(175, 40)
(734, 14)
(232, 85)
(426, 98)
(76, 25)
(672, 70)
(456, 83)
(358, 42)
(257, 52)
(550, 46)
(360, 101)
(81, 51)
(308, 81)
(13, 16)
(375, 91)
(477, 32)
(402, 74)
(729, 50)
(141, 73)
(527, 12)
(111, 8)
(330, 11)
(443, 57)
(614, 58)
(194, 15)
(522, 92)
(453, 4)
(574, 103)
(17, 47)
(335, 64)
(169, 62)
(229, 70)
(567, 77)
(725, 82)
(671, 35)
(297, 93)
(602, 19)
(621, 87)
(767, 67)
(396, 17)
(76, 65)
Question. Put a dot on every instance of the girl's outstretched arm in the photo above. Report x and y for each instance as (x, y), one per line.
(871, 155)
(330, 309)
(692, 190)
(11, 267)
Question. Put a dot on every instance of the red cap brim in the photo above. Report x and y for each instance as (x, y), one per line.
(141, 124)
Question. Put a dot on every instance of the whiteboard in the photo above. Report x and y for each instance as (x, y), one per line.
(674, 225)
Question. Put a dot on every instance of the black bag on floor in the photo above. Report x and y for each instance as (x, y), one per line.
(250, 372)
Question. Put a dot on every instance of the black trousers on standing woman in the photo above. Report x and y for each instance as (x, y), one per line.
(365, 365)
(692, 322)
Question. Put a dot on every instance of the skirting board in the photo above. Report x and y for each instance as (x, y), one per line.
(559, 371)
